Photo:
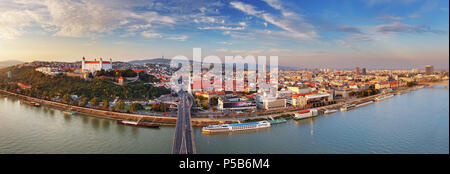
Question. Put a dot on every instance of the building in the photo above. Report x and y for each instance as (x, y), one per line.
(364, 71)
(429, 70)
(9, 74)
(266, 103)
(93, 66)
(234, 103)
(49, 70)
(24, 86)
(382, 85)
(121, 81)
(310, 100)
(357, 72)
(298, 90)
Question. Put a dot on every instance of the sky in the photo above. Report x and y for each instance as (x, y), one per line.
(376, 34)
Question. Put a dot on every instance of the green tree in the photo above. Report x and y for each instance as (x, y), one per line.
(66, 98)
(83, 102)
(105, 104)
(94, 102)
(120, 106)
(135, 107)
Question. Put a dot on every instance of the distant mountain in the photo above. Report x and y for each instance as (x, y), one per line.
(155, 60)
(9, 63)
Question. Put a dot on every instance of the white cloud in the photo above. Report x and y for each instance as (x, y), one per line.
(292, 24)
(150, 34)
(221, 28)
(225, 43)
(249, 9)
(73, 18)
(179, 37)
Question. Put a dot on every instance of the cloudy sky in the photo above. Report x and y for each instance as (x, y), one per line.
(303, 33)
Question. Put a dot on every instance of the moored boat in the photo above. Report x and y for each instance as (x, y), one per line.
(383, 97)
(364, 103)
(235, 127)
(138, 124)
(330, 111)
(347, 107)
(35, 104)
(306, 114)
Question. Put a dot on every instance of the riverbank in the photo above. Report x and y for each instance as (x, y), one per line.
(169, 121)
(111, 114)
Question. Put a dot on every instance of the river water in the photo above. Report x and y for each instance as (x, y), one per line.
(414, 122)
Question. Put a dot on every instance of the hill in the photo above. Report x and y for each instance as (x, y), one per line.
(9, 63)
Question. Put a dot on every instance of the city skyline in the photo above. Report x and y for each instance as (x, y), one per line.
(384, 34)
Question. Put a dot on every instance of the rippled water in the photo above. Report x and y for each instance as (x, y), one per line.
(415, 122)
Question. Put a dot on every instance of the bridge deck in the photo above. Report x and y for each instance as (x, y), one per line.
(183, 141)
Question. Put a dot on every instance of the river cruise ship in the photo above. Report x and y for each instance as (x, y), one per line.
(383, 98)
(347, 107)
(235, 127)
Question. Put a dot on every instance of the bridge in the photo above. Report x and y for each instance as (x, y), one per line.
(183, 141)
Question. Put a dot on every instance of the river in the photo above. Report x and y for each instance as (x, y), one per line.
(414, 122)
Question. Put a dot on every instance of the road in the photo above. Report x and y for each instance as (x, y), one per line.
(183, 141)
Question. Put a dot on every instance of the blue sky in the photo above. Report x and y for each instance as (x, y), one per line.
(303, 33)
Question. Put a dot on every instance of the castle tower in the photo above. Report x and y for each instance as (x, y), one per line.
(83, 64)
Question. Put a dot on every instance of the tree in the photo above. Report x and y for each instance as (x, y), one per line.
(66, 98)
(83, 101)
(120, 105)
(94, 102)
(205, 104)
(105, 104)
(135, 107)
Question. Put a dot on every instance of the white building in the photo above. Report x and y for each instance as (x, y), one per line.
(93, 66)
(266, 102)
(49, 70)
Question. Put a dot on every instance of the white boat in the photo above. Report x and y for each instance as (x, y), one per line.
(235, 127)
(383, 97)
(347, 107)
(306, 114)
(330, 111)
(364, 103)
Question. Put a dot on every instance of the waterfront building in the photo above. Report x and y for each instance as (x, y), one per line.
(429, 70)
(234, 103)
(310, 100)
(264, 102)
(382, 85)
(93, 66)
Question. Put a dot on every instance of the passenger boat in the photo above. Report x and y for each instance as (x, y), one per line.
(277, 121)
(30, 103)
(235, 127)
(347, 107)
(138, 124)
(306, 114)
(364, 103)
(383, 97)
(330, 111)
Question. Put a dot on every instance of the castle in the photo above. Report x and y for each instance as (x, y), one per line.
(93, 66)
